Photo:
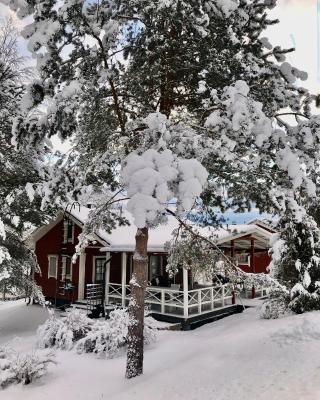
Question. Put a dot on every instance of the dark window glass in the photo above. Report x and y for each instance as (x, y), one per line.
(99, 272)
(154, 269)
(68, 268)
(70, 231)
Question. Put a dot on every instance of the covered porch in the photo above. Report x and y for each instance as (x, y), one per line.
(179, 300)
(175, 302)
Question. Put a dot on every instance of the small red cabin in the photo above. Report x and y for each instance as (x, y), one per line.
(105, 265)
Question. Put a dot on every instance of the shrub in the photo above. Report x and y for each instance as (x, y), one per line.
(107, 338)
(22, 368)
(62, 332)
(277, 304)
(304, 302)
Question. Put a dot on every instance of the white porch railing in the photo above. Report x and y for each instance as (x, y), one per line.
(173, 302)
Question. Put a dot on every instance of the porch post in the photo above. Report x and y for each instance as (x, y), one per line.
(252, 256)
(82, 274)
(185, 293)
(107, 278)
(123, 278)
(253, 294)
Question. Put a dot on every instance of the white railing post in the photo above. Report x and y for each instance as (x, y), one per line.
(107, 279)
(162, 301)
(223, 295)
(211, 298)
(185, 294)
(82, 272)
(123, 278)
(199, 302)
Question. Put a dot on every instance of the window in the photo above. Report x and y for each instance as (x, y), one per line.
(243, 258)
(68, 231)
(52, 266)
(99, 269)
(66, 269)
(155, 268)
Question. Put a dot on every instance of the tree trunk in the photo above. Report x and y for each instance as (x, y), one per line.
(136, 306)
(4, 292)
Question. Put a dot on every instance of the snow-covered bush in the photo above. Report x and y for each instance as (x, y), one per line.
(63, 332)
(302, 301)
(22, 368)
(102, 337)
(107, 338)
(277, 305)
(296, 259)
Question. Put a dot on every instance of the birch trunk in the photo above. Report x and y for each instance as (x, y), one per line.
(136, 306)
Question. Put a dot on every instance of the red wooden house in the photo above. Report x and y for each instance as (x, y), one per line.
(104, 268)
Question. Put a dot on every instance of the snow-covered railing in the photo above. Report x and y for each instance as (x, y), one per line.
(207, 299)
(173, 302)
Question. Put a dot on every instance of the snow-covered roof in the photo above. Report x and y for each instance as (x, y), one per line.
(261, 223)
(122, 238)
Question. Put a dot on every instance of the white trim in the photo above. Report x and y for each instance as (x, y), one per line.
(66, 223)
(243, 263)
(65, 231)
(57, 258)
(185, 293)
(94, 266)
(123, 278)
(72, 234)
(64, 268)
(82, 275)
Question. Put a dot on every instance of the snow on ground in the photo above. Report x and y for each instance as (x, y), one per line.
(239, 357)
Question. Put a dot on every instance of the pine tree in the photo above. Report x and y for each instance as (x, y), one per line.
(185, 79)
(17, 215)
(296, 260)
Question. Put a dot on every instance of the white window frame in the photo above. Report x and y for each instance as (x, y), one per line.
(56, 258)
(71, 240)
(243, 263)
(94, 266)
(65, 231)
(64, 266)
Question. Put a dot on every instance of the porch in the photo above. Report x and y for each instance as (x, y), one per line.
(174, 302)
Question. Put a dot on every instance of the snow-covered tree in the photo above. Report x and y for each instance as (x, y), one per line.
(296, 262)
(17, 215)
(160, 87)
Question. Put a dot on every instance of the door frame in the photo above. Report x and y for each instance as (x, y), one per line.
(94, 258)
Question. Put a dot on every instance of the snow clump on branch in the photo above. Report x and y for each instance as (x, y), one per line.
(155, 177)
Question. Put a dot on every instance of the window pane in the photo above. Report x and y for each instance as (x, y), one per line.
(242, 258)
(68, 268)
(52, 266)
(99, 269)
(69, 231)
(155, 267)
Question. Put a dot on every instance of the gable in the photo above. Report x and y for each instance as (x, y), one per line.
(45, 229)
